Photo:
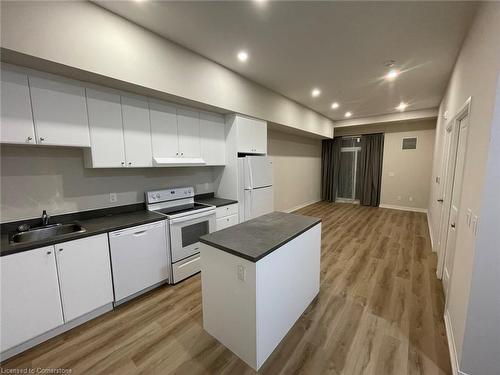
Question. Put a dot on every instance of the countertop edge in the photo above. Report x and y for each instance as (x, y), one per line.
(264, 254)
(75, 236)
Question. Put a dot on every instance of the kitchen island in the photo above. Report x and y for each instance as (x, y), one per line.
(258, 277)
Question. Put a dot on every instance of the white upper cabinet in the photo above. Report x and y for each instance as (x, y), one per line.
(188, 125)
(84, 275)
(60, 112)
(251, 135)
(16, 116)
(136, 132)
(31, 303)
(106, 130)
(164, 137)
(213, 138)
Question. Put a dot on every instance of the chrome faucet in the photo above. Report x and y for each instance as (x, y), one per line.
(45, 218)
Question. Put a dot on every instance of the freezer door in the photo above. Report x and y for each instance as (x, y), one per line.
(258, 202)
(258, 171)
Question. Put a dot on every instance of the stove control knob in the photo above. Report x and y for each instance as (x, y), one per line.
(157, 195)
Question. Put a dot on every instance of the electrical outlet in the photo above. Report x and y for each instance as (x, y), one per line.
(391, 174)
(112, 197)
(410, 199)
(242, 273)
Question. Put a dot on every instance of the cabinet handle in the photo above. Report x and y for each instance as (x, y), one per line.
(49, 252)
(182, 153)
(123, 163)
(440, 200)
(42, 139)
(29, 139)
(177, 153)
(129, 163)
(61, 250)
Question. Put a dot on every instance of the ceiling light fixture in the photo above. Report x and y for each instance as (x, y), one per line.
(402, 106)
(348, 114)
(392, 75)
(315, 93)
(335, 105)
(243, 56)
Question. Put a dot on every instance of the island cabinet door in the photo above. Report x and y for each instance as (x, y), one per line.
(31, 303)
(84, 275)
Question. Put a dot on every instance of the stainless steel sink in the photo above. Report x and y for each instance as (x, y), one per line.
(42, 233)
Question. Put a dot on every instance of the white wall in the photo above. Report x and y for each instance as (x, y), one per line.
(297, 169)
(53, 178)
(405, 173)
(475, 75)
(83, 39)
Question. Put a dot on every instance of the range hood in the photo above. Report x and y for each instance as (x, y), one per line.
(178, 162)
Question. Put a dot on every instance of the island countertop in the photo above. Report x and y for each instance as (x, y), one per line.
(256, 238)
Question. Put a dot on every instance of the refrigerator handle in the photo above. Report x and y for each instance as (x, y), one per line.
(250, 172)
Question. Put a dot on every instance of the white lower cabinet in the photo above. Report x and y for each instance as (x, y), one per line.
(226, 216)
(31, 303)
(46, 287)
(84, 275)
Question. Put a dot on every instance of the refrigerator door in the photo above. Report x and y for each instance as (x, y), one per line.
(258, 171)
(258, 202)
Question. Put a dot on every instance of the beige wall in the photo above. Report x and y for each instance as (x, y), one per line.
(80, 38)
(405, 173)
(52, 178)
(475, 323)
(297, 169)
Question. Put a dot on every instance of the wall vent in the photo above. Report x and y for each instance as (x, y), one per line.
(409, 143)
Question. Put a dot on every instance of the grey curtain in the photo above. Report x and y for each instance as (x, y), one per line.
(370, 176)
(330, 165)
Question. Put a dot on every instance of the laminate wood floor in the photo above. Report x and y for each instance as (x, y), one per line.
(379, 311)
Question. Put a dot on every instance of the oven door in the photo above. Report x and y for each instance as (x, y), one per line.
(186, 231)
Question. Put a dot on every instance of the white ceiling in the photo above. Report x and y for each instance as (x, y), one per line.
(339, 47)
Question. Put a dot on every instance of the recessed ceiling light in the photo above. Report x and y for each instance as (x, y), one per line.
(348, 114)
(335, 105)
(243, 56)
(402, 106)
(315, 93)
(392, 74)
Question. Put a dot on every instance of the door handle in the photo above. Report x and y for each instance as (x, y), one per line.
(140, 233)
(452, 225)
(440, 200)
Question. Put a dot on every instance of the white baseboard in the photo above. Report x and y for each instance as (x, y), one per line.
(455, 368)
(301, 206)
(403, 208)
(430, 232)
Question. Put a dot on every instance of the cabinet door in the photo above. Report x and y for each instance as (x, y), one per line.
(164, 138)
(213, 138)
(31, 303)
(136, 132)
(84, 275)
(226, 222)
(16, 117)
(60, 112)
(188, 122)
(252, 135)
(106, 129)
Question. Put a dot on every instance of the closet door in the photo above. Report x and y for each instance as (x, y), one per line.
(136, 132)
(106, 129)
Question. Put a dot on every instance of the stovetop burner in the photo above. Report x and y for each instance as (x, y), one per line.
(181, 209)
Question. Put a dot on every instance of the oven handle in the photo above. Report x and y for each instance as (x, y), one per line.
(192, 217)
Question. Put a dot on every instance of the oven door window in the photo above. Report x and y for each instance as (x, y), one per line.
(192, 233)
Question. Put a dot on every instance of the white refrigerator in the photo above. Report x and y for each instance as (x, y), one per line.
(255, 186)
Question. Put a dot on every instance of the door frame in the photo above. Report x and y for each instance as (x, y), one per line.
(453, 127)
(356, 150)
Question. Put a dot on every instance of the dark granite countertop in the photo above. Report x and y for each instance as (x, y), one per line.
(107, 220)
(256, 238)
(211, 200)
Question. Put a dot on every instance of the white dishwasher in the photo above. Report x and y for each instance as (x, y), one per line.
(139, 259)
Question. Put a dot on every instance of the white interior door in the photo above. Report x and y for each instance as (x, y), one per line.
(456, 178)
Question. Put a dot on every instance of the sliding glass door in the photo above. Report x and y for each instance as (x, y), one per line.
(349, 170)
